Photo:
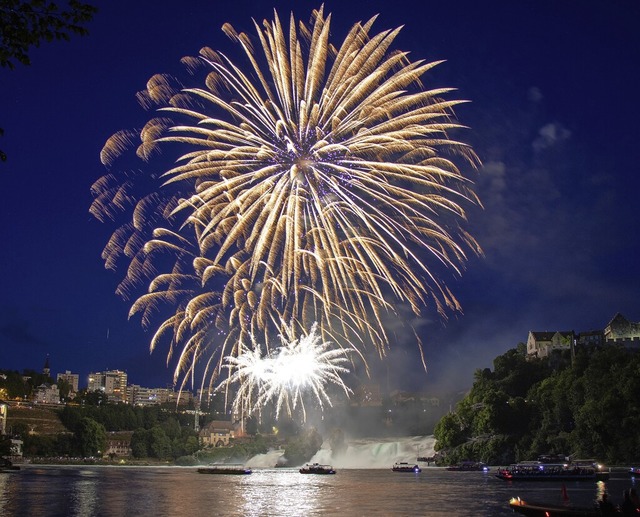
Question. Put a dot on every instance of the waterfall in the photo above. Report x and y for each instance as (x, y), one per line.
(376, 453)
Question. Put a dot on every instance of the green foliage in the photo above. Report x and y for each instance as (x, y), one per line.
(21, 385)
(5, 446)
(449, 432)
(26, 24)
(64, 387)
(236, 452)
(140, 443)
(525, 408)
(123, 417)
(163, 442)
(91, 438)
(159, 444)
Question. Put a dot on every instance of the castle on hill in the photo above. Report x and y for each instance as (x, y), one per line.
(618, 331)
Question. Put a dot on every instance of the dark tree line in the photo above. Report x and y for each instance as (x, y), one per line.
(585, 407)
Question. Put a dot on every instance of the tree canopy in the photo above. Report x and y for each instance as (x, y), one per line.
(25, 24)
(585, 407)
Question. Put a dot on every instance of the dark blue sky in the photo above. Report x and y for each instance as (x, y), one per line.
(554, 117)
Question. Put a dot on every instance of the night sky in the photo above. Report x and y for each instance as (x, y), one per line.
(554, 117)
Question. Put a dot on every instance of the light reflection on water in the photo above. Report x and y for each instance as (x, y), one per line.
(285, 493)
(153, 491)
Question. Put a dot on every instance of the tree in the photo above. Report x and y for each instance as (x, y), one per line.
(160, 443)
(27, 23)
(65, 388)
(140, 443)
(91, 437)
(448, 432)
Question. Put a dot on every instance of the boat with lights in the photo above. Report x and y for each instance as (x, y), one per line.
(634, 472)
(522, 507)
(537, 471)
(316, 468)
(405, 467)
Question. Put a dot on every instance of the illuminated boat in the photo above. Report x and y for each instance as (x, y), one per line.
(466, 466)
(536, 471)
(224, 468)
(405, 467)
(548, 510)
(634, 472)
(316, 468)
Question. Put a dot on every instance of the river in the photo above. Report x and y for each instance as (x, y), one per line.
(52, 491)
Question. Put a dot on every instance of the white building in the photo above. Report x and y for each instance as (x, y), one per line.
(71, 378)
(140, 396)
(47, 394)
(541, 344)
(113, 383)
(217, 433)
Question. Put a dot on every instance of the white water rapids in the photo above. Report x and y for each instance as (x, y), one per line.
(376, 453)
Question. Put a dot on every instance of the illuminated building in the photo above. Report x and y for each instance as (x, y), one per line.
(71, 378)
(113, 383)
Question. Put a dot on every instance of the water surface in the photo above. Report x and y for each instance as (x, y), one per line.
(153, 491)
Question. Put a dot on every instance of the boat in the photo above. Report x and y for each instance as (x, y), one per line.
(634, 472)
(316, 468)
(469, 466)
(517, 505)
(405, 467)
(225, 468)
(537, 471)
(7, 466)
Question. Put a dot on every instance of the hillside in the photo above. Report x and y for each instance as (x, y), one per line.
(584, 406)
(37, 420)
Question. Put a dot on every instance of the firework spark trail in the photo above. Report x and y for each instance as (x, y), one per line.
(320, 185)
(297, 368)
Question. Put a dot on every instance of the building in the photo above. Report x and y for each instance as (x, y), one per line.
(541, 344)
(71, 378)
(217, 433)
(140, 396)
(620, 330)
(113, 383)
(118, 445)
(47, 394)
(590, 339)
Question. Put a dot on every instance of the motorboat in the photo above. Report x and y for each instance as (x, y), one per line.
(316, 468)
(224, 468)
(406, 467)
(634, 472)
(548, 510)
(7, 466)
(537, 471)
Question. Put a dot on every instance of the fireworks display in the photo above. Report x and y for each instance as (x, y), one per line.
(305, 365)
(316, 187)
